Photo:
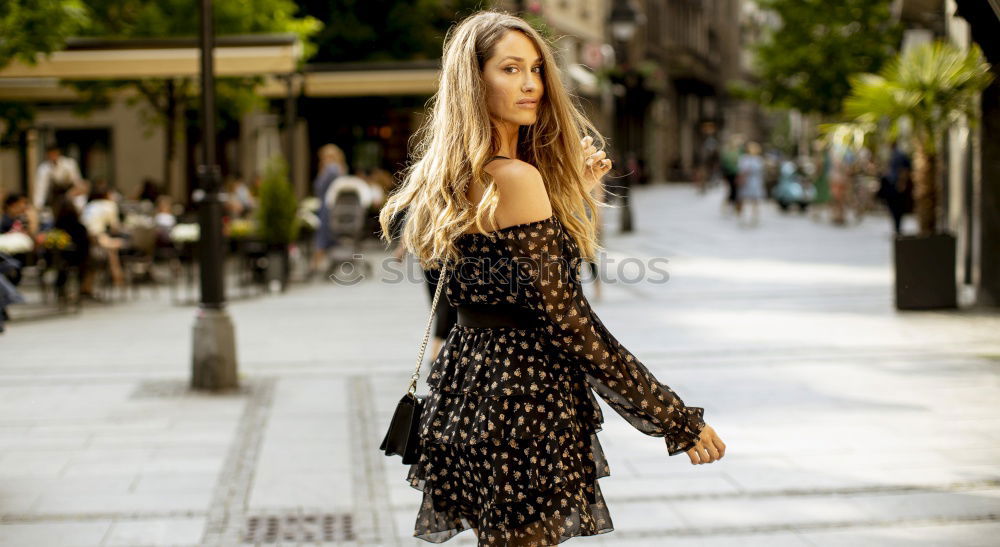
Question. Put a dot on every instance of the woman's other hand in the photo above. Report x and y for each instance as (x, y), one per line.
(595, 162)
(708, 449)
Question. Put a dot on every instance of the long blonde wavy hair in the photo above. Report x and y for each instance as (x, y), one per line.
(458, 138)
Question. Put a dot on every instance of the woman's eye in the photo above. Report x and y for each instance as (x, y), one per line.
(508, 69)
(539, 68)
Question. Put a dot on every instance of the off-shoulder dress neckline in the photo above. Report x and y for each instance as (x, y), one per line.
(512, 227)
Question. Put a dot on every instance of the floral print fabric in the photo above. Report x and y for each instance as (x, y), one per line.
(509, 429)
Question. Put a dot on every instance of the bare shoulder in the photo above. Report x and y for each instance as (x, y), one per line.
(523, 197)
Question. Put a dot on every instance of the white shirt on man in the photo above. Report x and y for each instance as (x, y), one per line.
(65, 171)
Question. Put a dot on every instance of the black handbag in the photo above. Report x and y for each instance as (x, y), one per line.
(403, 436)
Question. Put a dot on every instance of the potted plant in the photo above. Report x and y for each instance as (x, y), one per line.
(918, 95)
(277, 220)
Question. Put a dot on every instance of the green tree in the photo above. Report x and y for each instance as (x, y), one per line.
(168, 98)
(384, 30)
(927, 89)
(805, 61)
(28, 29)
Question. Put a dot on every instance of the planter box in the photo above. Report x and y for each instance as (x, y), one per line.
(925, 272)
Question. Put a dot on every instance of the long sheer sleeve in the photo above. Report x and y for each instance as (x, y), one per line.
(547, 266)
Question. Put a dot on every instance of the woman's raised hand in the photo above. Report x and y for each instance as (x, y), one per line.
(708, 449)
(595, 162)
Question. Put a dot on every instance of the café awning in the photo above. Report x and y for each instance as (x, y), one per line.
(314, 80)
(372, 79)
(113, 59)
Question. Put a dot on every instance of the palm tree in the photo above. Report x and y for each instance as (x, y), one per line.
(926, 89)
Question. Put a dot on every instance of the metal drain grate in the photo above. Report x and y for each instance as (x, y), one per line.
(318, 527)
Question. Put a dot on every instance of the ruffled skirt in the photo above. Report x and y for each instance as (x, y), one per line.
(509, 444)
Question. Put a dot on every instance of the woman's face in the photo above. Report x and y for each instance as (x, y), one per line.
(514, 81)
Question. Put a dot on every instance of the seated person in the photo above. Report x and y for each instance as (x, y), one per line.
(8, 292)
(164, 219)
(102, 219)
(18, 215)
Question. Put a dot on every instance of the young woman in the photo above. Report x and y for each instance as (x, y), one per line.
(499, 188)
(752, 189)
(332, 164)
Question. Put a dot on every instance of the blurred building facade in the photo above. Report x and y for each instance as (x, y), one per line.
(683, 54)
(671, 76)
(695, 49)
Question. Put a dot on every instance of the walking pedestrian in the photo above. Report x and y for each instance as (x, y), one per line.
(708, 157)
(730, 165)
(332, 164)
(751, 182)
(896, 189)
(498, 192)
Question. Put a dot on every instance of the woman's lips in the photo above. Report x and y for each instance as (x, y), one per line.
(527, 103)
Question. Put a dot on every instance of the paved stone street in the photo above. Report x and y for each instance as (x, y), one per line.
(847, 423)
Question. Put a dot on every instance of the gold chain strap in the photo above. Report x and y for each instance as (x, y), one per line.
(427, 333)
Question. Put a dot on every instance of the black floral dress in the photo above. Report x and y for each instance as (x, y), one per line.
(509, 430)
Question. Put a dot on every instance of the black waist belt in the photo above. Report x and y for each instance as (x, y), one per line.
(497, 315)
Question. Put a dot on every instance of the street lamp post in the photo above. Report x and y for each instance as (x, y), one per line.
(623, 21)
(213, 364)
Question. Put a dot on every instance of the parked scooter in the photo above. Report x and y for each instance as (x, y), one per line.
(790, 190)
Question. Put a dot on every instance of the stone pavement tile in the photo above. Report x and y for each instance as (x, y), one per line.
(193, 464)
(176, 532)
(165, 483)
(206, 433)
(106, 468)
(100, 503)
(922, 504)
(792, 478)
(625, 488)
(153, 464)
(875, 457)
(681, 467)
(19, 495)
(27, 439)
(285, 430)
(33, 463)
(28, 485)
(54, 534)
(310, 397)
(913, 475)
(645, 516)
(59, 401)
(17, 503)
(97, 426)
(186, 451)
(305, 456)
(289, 489)
(952, 534)
(118, 454)
(181, 409)
(767, 511)
(975, 457)
(762, 539)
